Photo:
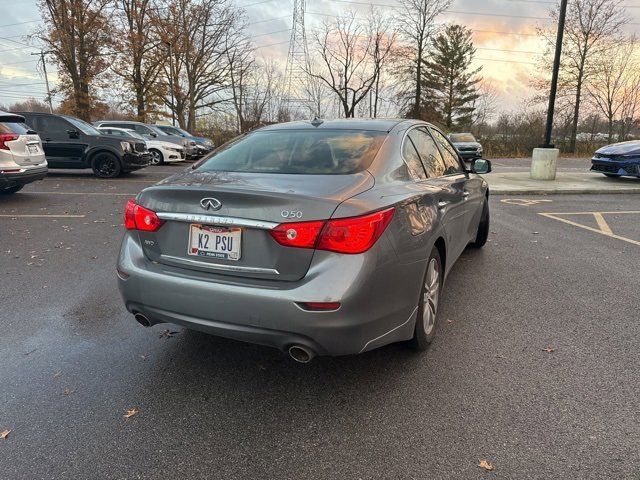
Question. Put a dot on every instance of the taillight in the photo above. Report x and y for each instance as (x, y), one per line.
(136, 217)
(355, 234)
(319, 306)
(298, 234)
(344, 235)
(7, 137)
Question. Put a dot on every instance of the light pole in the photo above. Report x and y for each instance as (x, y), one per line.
(545, 158)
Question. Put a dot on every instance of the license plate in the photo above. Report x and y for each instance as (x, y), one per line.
(33, 149)
(215, 242)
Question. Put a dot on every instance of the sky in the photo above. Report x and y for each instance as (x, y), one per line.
(504, 33)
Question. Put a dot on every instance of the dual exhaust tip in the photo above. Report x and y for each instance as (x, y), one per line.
(299, 353)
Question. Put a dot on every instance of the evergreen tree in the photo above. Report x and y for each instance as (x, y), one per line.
(449, 83)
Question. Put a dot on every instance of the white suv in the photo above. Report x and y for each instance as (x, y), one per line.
(22, 158)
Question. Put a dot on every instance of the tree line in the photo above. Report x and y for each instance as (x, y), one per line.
(196, 61)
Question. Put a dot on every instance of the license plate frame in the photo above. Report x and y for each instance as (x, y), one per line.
(233, 233)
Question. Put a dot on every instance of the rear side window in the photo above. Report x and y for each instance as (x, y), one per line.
(452, 165)
(14, 127)
(313, 152)
(53, 126)
(412, 159)
(428, 151)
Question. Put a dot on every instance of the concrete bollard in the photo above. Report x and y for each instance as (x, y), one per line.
(543, 163)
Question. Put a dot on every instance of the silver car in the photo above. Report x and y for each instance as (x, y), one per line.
(317, 238)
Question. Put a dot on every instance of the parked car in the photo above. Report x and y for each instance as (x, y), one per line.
(150, 132)
(69, 142)
(161, 152)
(317, 237)
(466, 144)
(618, 159)
(22, 159)
(203, 145)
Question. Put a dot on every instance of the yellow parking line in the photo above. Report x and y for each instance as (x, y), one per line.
(609, 233)
(602, 223)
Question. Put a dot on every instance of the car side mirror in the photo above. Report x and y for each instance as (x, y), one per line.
(154, 135)
(481, 166)
(73, 133)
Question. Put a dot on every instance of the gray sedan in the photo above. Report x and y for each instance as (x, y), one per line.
(317, 238)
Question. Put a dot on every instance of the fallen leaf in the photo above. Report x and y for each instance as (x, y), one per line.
(449, 321)
(548, 350)
(167, 334)
(130, 413)
(57, 374)
(4, 434)
(68, 391)
(486, 465)
(143, 357)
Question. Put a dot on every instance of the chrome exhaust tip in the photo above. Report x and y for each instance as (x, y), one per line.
(142, 320)
(301, 354)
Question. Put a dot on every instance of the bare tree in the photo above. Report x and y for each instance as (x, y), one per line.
(630, 110)
(607, 86)
(416, 26)
(77, 32)
(589, 25)
(241, 67)
(140, 60)
(199, 34)
(351, 56)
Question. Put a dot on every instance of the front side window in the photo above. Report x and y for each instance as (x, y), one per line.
(84, 127)
(448, 153)
(141, 129)
(313, 152)
(429, 154)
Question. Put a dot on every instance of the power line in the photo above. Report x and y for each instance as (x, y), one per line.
(19, 23)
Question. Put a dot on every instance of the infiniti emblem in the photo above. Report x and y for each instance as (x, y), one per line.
(210, 203)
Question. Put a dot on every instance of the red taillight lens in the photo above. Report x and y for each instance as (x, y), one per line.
(7, 137)
(319, 306)
(297, 234)
(343, 235)
(355, 234)
(136, 217)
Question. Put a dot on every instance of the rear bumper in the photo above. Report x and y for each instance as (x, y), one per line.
(22, 177)
(614, 167)
(378, 300)
(135, 160)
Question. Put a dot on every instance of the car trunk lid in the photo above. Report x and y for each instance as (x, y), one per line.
(244, 206)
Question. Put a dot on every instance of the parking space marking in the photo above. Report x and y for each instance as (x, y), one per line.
(42, 216)
(524, 201)
(603, 226)
(84, 193)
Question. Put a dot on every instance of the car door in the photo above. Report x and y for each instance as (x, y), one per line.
(62, 142)
(472, 185)
(450, 187)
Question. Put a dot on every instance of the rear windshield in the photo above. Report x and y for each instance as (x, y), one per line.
(461, 137)
(315, 152)
(14, 127)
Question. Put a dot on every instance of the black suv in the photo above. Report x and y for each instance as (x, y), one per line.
(69, 142)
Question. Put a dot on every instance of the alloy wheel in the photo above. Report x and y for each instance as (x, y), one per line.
(431, 294)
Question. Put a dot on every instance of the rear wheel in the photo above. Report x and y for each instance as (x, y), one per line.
(156, 157)
(106, 165)
(612, 175)
(427, 314)
(10, 190)
(483, 227)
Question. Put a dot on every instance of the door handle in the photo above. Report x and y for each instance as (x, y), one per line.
(465, 194)
(442, 204)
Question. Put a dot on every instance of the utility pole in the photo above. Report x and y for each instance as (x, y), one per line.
(173, 111)
(554, 77)
(46, 78)
(545, 158)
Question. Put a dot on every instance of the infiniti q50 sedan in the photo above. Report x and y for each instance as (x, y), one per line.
(317, 238)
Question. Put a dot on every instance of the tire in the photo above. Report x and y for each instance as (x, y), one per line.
(425, 329)
(612, 175)
(10, 190)
(483, 227)
(156, 157)
(106, 165)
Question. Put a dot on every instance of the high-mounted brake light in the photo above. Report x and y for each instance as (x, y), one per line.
(7, 137)
(136, 217)
(343, 235)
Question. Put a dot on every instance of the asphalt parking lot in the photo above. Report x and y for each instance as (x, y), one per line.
(535, 368)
